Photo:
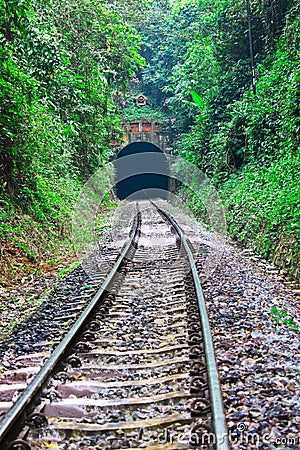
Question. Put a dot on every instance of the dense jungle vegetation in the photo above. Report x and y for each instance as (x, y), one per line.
(67, 68)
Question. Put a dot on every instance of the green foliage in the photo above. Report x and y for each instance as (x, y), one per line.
(263, 203)
(263, 198)
(197, 98)
(67, 270)
(61, 63)
(281, 316)
(158, 48)
(202, 53)
(134, 112)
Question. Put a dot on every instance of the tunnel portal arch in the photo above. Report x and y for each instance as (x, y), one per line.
(142, 172)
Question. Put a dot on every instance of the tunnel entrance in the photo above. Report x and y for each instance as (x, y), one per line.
(142, 172)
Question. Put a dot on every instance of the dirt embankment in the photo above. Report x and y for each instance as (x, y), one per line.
(30, 262)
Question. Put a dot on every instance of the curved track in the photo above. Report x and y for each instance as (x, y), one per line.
(137, 370)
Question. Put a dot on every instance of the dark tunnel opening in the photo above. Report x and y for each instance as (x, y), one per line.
(142, 172)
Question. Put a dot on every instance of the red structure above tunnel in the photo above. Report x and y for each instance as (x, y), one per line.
(146, 130)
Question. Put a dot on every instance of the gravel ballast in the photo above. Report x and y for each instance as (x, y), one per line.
(258, 358)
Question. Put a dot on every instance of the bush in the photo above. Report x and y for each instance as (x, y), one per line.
(263, 206)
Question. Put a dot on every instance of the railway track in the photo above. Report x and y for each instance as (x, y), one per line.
(137, 369)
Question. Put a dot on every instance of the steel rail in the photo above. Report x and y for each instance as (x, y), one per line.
(39, 380)
(219, 421)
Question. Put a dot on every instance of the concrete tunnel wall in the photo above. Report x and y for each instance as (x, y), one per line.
(144, 174)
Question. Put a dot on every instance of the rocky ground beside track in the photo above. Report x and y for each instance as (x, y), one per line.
(254, 316)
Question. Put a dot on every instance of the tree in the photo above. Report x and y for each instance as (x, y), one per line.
(61, 62)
